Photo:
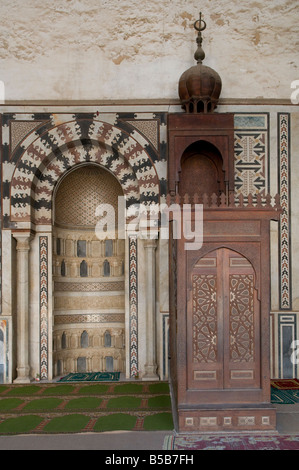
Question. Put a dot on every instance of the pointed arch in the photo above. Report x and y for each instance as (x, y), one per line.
(68, 144)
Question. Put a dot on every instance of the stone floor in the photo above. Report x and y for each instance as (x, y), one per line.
(287, 419)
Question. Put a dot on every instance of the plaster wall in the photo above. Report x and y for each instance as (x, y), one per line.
(102, 49)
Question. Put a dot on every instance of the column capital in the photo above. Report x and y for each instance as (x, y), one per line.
(23, 240)
(150, 243)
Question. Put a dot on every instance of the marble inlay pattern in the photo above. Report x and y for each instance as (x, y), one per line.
(284, 159)
(251, 154)
(133, 299)
(43, 250)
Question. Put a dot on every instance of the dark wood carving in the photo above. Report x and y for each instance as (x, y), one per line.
(219, 322)
(223, 318)
(201, 170)
(210, 135)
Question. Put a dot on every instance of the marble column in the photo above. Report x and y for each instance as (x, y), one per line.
(23, 247)
(150, 261)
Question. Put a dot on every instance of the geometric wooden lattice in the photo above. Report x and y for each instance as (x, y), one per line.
(224, 314)
(204, 318)
(241, 290)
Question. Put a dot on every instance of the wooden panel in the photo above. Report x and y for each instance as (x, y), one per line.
(204, 347)
(184, 130)
(204, 321)
(234, 419)
(223, 323)
(224, 228)
(242, 329)
(241, 317)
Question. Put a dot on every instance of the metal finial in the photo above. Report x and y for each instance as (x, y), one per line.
(200, 28)
(199, 54)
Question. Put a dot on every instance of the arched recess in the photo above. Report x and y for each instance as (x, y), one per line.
(223, 322)
(88, 299)
(201, 170)
(62, 147)
(58, 168)
(37, 171)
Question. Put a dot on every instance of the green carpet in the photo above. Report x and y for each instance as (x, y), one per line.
(124, 403)
(60, 390)
(85, 407)
(19, 425)
(95, 389)
(22, 390)
(68, 423)
(158, 422)
(128, 388)
(10, 403)
(115, 422)
(83, 403)
(284, 397)
(41, 404)
(91, 377)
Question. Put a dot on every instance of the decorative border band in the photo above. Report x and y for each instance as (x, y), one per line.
(284, 186)
(43, 256)
(89, 318)
(133, 300)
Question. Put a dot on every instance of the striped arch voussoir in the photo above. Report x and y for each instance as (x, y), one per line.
(50, 155)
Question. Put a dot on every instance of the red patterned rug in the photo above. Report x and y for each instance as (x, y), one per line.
(285, 384)
(232, 442)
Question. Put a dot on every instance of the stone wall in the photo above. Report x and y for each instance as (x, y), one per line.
(102, 49)
(60, 61)
(266, 156)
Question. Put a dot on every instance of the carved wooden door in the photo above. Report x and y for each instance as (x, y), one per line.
(223, 323)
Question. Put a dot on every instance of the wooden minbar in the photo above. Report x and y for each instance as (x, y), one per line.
(220, 284)
(220, 290)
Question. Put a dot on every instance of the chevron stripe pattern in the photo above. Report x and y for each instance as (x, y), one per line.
(43, 250)
(133, 299)
(285, 221)
(58, 142)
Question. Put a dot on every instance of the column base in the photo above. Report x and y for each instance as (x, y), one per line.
(150, 373)
(23, 376)
(151, 377)
(22, 380)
